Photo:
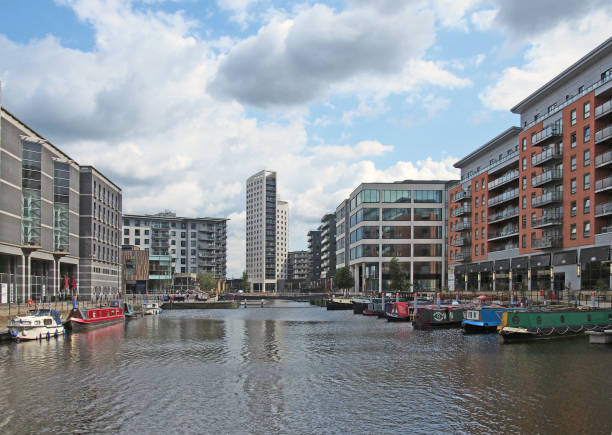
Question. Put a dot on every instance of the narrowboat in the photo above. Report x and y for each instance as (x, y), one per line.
(339, 304)
(36, 325)
(558, 323)
(129, 311)
(439, 316)
(87, 318)
(400, 312)
(359, 304)
(373, 308)
(482, 319)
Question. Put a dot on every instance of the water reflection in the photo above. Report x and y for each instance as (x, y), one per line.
(297, 369)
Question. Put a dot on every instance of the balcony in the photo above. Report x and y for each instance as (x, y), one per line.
(464, 225)
(603, 109)
(605, 229)
(464, 194)
(503, 215)
(550, 132)
(505, 179)
(603, 135)
(547, 177)
(550, 155)
(504, 197)
(461, 241)
(547, 243)
(547, 198)
(604, 209)
(604, 159)
(547, 221)
(603, 185)
(465, 209)
(504, 162)
(463, 256)
(504, 233)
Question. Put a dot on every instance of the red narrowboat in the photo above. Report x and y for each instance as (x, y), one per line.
(87, 318)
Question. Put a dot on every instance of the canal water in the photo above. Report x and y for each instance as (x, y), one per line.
(294, 368)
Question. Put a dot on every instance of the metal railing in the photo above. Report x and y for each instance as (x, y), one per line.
(504, 214)
(545, 220)
(463, 225)
(545, 156)
(547, 242)
(603, 159)
(506, 196)
(604, 183)
(603, 134)
(512, 175)
(603, 108)
(547, 198)
(464, 194)
(506, 232)
(603, 209)
(548, 132)
(547, 177)
(462, 210)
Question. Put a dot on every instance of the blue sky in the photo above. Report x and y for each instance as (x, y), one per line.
(180, 101)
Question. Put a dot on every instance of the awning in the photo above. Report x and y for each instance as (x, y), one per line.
(599, 253)
(473, 268)
(486, 266)
(563, 258)
(502, 264)
(539, 260)
(460, 268)
(520, 263)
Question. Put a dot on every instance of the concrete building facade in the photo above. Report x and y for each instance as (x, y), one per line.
(406, 220)
(328, 245)
(552, 229)
(267, 232)
(178, 245)
(49, 227)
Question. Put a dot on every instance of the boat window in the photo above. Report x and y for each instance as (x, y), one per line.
(93, 314)
(515, 319)
(112, 312)
(48, 322)
(539, 320)
(106, 313)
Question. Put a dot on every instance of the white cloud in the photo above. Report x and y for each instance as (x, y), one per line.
(239, 9)
(483, 19)
(434, 105)
(549, 53)
(359, 151)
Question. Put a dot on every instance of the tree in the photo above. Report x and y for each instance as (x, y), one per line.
(207, 281)
(246, 285)
(343, 279)
(398, 276)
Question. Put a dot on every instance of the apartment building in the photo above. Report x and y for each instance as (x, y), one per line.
(267, 232)
(406, 220)
(328, 245)
(314, 247)
(178, 245)
(298, 266)
(548, 192)
(59, 221)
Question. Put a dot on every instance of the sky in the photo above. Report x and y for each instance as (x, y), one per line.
(180, 101)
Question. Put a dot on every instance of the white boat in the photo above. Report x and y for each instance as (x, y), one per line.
(36, 325)
(152, 308)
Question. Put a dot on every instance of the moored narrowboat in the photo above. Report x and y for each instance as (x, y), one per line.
(439, 316)
(87, 318)
(482, 319)
(400, 312)
(339, 304)
(557, 323)
(359, 304)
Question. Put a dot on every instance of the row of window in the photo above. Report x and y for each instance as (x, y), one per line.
(396, 250)
(395, 196)
(396, 214)
(390, 232)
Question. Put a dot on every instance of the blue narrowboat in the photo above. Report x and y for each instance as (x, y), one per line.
(483, 319)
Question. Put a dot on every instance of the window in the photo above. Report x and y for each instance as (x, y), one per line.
(430, 232)
(388, 232)
(524, 144)
(421, 196)
(573, 232)
(427, 250)
(476, 250)
(573, 185)
(587, 181)
(587, 229)
(483, 183)
(587, 205)
(173, 242)
(524, 240)
(587, 157)
(427, 214)
(476, 218)
(396, 196)
(573, 163)
(573, 117)
(126, 241)
(524, 221)
(533, 217)
(193, 252)
(146, 241)
(587, 110)
(193, 226)
(524, 202)
(193, 235)
(587, 134)
(533, 137)
(137, 242)
(573, 140)
(136, 232)
(183, 244)
(482, 216)
(183, 252)
(524, 163)
(573, 208)
(580, 89)
(476, 187)
(482, 200)
(482, 235)
(146, 232)
(183, 234)
(524, 181)
(476, 234)
(126, 231)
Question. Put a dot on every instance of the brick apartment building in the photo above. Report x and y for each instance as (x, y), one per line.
(533, 209)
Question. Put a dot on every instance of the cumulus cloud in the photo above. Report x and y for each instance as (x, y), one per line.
(297, 60)
(549, 53)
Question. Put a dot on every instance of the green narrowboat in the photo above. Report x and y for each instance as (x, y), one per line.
(553, 323)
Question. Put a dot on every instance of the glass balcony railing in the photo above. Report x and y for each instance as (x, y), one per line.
(547, 177)
(547, 243)
(463, 256)
(493, 165)
(604, 209)
(462, 210)
(547, 220)
(603, 184)
(461, 241)
(464, 194)
(603, 159)
(603, 134)
(506, 178)
(507, 213)
(506, 232)
(546, 156)
(549, 132)
(506, 196)
(603, 109)
(547, 198)
(463, 225)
